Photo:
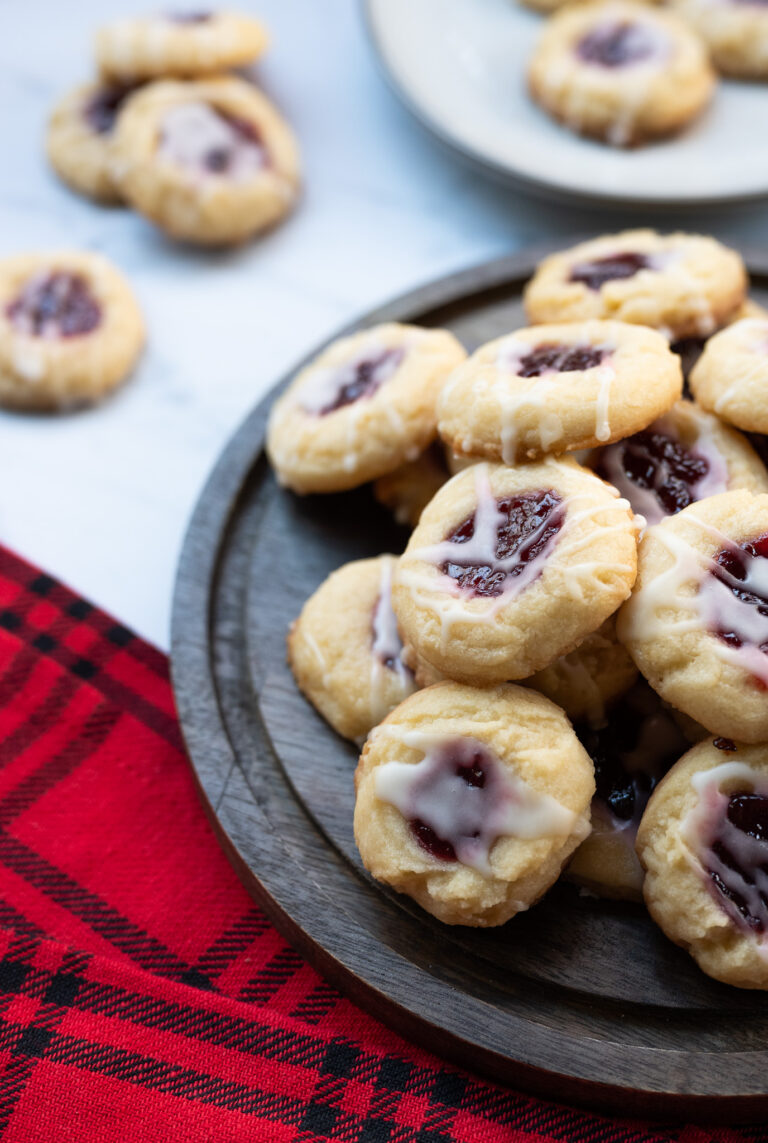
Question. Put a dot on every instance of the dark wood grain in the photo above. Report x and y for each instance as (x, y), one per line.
(578, 999)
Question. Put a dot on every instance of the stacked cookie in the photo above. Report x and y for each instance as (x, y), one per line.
(580, 603)
(168, 129)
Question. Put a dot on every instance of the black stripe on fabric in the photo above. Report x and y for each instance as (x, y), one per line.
(232, 943)
(271, 978)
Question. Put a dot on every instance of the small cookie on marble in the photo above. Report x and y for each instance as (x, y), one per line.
(345, 650)
(697, 622)
(620, 71)
(407, 491)
(180, 45)
(703, 842)
(80, 138)
(470, 801)
(510, 568)
(685, 456)
(684, 285)
(70, 329)
(557, 388)
(363, 408)
(211, 162)
(731, 376)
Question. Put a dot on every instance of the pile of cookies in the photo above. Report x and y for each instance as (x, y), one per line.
(581, 608)
(168, 129)
(626, 72)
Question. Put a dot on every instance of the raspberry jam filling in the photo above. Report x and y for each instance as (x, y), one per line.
(205, 141)
(101, 110)
(332, 389)
(737, 593)
(550, 358)
(502, 548)
(617, 45)
(595, 272)
(636, 747)
(459, 799)
(55, 304)
(660, 476)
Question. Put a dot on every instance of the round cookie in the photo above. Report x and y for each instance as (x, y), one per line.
(407, 491)
(471, 801)
(684, 285)
(697, 621)
(345, 651)
(703, 842)
(620, 71)
(80, 138)
(735, 32)
(210, 162)
(633, 746)
(685, 456)
(362, 408)
(556, 388)
(510, 568)
(178, 45)
(70, 329)
(731, 376)
(586, 681)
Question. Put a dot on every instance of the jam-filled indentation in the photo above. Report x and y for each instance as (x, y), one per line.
(595, 272)
(742, 619)
(188, 17)
(617, 45)
(551, 358)
(101, 110)
(737, 862)
(205, 140)
(462, 762)
(661, 464)
(55, 304)
(524, 528)
(360, 379)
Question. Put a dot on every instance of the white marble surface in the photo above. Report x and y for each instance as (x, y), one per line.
(101, 498)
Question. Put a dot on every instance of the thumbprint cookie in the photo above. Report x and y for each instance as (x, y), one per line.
(407, 491)
(80, 140)
(470, 801)
(731, 376)
(735, 32)
(510, 568)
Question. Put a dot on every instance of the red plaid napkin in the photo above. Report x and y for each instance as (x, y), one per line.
(143, 996)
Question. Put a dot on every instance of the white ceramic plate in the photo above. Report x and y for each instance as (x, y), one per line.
(460, 66)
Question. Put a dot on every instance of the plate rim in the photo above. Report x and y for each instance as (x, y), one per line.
(509, 174)
(197, 699)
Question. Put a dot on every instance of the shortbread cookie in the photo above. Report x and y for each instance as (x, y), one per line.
(556, 388)
(345, 651)
(210, 162)
(80, 138)
(690, 349)
(70, 329)
(638, 741)
(509, 568)
(731, 376)
(697, 621)
(471, 801)
(408, 490)
(735, 32)
(684, 285)
(362, 408)
(620, 71)
(586, 681)
(704, 843)
(683, 457)
(182, 45)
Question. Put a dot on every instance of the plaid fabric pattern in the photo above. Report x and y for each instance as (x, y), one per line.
(143, 996)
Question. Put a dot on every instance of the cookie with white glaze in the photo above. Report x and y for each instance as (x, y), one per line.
(697, 621)
(557, 388)
(364, 407)
(731, 376)
(684, 285)
(470, 801)
(510, 568)
(703, 842)
(70, 329)
(345, 651)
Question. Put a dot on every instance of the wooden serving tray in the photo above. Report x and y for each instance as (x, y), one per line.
(579, 999)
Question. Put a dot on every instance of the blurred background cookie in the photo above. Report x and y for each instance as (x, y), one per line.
(80, 138)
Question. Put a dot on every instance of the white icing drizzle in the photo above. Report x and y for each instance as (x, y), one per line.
(470, 818)
(191, 132)
(387, 647)
(707, 822)
(757, 344)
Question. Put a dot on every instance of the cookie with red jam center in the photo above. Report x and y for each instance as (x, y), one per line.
(80, 138)
(471, 800)
(703, 841)
(510, 568)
